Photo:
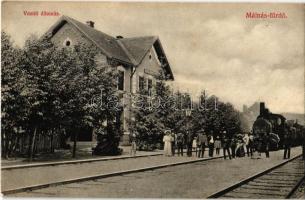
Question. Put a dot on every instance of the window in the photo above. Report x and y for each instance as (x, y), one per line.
(149, 85)
(121, 80)
(67, 42)
(158, 87)
(141, 83)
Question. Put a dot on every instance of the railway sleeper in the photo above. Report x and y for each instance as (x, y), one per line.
(251, 187)
(277, 174)
(282, 175)
(285, 172)
(289, 178)
(277, 180)
(263, 191)
(273, 183)
(289, 168)
(259, 194)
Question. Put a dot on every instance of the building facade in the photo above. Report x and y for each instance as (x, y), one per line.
(138, 59)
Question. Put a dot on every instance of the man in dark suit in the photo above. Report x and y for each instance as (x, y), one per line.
(287, 145)
(202, 141)
(180, 143)
(226, 145)
(266, 144)
(211, 144)
(233, 144)
(174, 137)
(189, 142)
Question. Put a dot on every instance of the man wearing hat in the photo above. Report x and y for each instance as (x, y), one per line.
(226, 145)
(189, 142)
(180, 143)
(202, 141)
(173, 135)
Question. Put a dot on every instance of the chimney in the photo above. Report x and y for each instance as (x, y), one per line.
(90, 23)
(261, 108)
(119, 37)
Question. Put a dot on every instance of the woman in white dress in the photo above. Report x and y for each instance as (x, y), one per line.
(167, 139)
(194, 145)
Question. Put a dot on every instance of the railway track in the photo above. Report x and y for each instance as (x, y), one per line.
(57, 163)
(280, 181)
(103, 175)
(78, 161)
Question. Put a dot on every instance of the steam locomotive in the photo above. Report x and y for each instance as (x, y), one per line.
(277, 126)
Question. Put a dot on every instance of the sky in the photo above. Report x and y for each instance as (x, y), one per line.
(209, 46)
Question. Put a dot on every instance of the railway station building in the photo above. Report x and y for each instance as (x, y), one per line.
(138, 60)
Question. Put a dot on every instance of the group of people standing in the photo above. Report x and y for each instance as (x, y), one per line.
(197, 143)
(238, 145)
(192, 144)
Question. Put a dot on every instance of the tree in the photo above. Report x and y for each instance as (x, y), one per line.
(153, 113)
(71, 78)
(40, 88)
(217, 116)
(145, 123)
(14, 107)
(48, 90)
(83, 82)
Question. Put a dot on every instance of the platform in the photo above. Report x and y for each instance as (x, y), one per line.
(197, 180)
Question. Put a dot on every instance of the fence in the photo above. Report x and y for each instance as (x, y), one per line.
(43, 143)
